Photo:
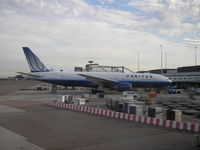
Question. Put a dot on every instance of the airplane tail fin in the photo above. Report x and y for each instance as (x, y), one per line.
(34, 62)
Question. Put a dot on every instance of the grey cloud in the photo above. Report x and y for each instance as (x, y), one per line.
(174, 17)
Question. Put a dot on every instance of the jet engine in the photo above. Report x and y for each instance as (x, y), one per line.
(123, 86)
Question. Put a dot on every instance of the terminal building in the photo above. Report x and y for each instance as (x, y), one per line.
(182, 77)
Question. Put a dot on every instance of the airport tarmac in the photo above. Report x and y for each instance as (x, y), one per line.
(26, 122)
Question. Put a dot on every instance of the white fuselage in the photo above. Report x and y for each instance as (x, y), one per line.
(75, 78)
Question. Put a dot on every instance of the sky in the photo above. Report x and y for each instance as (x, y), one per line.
(69, 33)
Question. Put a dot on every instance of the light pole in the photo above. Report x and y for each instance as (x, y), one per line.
(161, 59)
(195, 55)
(165, 60)
(138, 54)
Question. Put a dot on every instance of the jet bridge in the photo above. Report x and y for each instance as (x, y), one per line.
(95, 67)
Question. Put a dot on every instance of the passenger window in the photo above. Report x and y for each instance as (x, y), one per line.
(142, 76)
(131, 76)
(150, 76)
(146, 76)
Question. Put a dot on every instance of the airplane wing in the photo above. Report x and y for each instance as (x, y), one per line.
(30, 75)
(96, 79)
(102, 81)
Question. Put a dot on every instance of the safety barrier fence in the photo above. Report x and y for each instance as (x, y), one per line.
(125, 116)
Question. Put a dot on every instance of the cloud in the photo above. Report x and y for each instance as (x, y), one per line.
(194, 42)
(174, 18)
(162, 9)
(66, 33)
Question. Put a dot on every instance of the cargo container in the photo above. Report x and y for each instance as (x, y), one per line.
(135, 109)
(174, 115)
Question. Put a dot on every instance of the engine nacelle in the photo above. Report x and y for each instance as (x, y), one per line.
(123, 86)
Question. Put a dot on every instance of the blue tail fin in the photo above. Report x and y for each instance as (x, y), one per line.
(34, 62)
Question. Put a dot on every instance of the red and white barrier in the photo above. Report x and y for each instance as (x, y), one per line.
(124, 116)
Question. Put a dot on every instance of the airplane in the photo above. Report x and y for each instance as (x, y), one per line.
(98, 80)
